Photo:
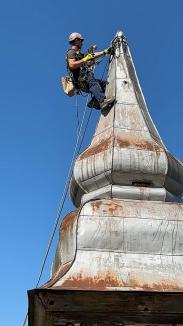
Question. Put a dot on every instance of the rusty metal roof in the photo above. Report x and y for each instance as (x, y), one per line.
(122, 245)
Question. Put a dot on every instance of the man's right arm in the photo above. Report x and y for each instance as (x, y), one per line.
(73, 64)
(71, 60)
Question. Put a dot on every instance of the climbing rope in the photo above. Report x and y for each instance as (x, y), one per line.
(77, 115)
(77, 148)
(63, 198)
(64, 195)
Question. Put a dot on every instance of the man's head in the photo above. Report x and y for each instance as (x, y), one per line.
(76, 39)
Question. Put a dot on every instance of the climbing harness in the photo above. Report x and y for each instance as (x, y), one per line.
(79, 75)
(75, 82)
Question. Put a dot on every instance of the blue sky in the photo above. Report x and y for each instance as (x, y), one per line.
(38, 122)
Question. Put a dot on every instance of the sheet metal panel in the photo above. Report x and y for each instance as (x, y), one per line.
(66, 247)
(128, 116)
(131, 235)
(130, 192)
(141, 100)
(130, 208)
(123, 272)
(127, 245)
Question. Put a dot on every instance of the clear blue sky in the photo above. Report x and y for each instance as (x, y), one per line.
(38, 122)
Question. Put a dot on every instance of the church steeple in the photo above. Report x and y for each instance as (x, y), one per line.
(119, 258)
(125, 171)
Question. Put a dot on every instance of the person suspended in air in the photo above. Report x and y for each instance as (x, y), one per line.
(80, 69)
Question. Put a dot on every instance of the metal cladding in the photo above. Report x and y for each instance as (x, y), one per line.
(126, 245)
(125, 241)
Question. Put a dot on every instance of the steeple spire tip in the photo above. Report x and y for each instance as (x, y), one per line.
(119, 34)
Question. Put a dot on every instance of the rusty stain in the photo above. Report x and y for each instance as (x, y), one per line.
(60, 273)
(110, 206)
(165, 286)
(96, 204)
(69, 220)
(111, 280)
(142, 144)
(100, 281)
(121, 142)
(122, 208)
(95, 149)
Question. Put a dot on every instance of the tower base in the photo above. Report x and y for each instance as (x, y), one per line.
(49, 307)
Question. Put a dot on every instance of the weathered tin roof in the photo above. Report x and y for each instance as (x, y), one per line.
(122, 245)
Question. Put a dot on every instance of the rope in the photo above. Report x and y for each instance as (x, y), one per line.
(62, 201)
(77, 115)
(63, 198)
(67, 183)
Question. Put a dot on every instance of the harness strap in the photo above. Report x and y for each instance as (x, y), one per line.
(80, 83)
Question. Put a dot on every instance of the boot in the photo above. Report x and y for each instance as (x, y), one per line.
(107, 102)
(93, 104)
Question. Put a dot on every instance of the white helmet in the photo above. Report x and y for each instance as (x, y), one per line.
(75, 35)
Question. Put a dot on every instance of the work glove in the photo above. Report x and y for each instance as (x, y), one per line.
(107, 51)
(89, 56)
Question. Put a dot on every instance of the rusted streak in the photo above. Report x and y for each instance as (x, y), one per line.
(120, 142)
(165, 286)
(99, 281)
(110, 206)
(95, 149)
(61, 272)
(96, 204)
(111, 280)
(137, 143)
(68, 220)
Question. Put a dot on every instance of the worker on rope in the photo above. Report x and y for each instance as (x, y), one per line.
(80, 69)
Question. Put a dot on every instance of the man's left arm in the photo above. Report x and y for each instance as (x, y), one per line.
(101, 53)
(94, 55)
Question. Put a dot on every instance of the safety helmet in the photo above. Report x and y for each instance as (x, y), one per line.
(75, 35)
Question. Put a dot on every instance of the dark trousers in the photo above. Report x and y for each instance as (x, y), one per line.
(95, 87)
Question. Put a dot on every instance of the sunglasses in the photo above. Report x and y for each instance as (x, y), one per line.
(79, 39)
